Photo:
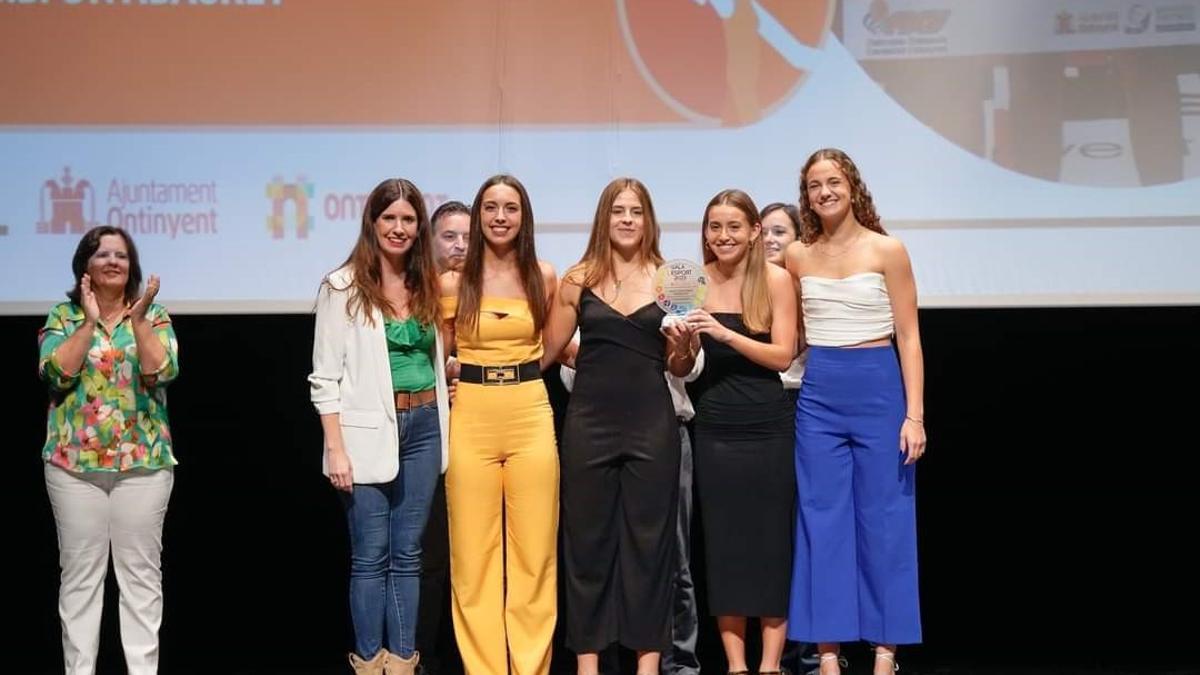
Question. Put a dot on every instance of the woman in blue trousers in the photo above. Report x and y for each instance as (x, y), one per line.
(859, 423)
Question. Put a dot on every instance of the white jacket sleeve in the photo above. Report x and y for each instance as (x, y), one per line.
(697, 367)
(329, 351)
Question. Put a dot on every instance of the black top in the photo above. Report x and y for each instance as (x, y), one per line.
(620, 395)
(732, 390)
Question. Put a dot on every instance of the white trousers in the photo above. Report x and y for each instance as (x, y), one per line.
(93, 513)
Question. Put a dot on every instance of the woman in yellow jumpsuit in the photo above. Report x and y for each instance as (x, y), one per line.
(503, 470)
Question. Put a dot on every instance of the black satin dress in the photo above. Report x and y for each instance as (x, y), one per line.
(620, 483)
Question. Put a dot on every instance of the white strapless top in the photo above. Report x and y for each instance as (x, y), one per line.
(847, 311)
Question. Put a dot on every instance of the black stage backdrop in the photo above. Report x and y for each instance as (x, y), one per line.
(1056, 504)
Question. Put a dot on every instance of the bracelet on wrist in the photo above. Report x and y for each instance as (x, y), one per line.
(913, 419)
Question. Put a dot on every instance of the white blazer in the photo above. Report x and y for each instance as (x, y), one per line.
(352, 377)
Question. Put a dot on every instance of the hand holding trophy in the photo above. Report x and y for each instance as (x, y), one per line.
(679, 287)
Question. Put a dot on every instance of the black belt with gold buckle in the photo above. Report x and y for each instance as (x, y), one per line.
(500, 375)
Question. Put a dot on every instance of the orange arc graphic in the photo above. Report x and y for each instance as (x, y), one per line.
(384, 63)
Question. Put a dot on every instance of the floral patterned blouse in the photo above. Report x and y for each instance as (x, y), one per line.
(110, 416)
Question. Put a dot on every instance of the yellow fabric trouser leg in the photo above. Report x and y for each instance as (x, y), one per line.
(502, 454)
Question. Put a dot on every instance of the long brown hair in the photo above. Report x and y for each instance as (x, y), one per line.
(420, 277)
(756, 298)
(470, 285)
(861, 202)
(596, 263)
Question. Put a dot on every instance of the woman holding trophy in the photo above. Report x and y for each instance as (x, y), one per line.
(744, 471)
(620, 454)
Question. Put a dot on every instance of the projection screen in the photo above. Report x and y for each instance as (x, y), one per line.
(1027, 152)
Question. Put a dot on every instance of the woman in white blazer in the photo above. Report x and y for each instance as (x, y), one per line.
(379, 386)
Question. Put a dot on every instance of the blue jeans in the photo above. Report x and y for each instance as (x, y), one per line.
(386, 521)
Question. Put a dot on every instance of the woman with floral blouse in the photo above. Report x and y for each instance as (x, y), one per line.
(106, 357)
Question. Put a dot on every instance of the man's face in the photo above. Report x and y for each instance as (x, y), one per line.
(450, 240)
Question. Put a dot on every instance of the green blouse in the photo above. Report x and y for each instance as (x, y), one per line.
(410, 346)
(110, 416)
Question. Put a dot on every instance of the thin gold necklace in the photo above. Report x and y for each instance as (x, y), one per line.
(845, 249)
(618, 282)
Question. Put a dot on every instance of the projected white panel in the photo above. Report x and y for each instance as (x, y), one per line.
(1052, 161)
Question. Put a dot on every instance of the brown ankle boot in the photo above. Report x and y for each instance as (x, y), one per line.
(394, 665)
(373, 667)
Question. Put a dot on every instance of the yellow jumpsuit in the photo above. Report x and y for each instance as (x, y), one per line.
(503, 472)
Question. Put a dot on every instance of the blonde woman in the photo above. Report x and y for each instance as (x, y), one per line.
(744, 437)
(620, 455)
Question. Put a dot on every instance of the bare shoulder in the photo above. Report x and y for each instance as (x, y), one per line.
(777, 277)
(889, 248)
(548, 273)
(448, 283)
(549, 279)
(795, 255)
(892, 256)
(575, 275)
(570, 287)
(885, 243)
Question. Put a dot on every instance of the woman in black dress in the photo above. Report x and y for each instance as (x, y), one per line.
(620, 443)
(745, 481)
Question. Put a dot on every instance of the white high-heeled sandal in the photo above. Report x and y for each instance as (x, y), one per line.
(833, 657)
(891, 657)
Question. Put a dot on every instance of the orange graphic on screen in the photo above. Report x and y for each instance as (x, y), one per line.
(724, 61)
(66, 198)
(298, 193)
(452, 63)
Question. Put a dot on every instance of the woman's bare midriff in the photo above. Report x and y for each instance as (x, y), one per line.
(881, 342)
